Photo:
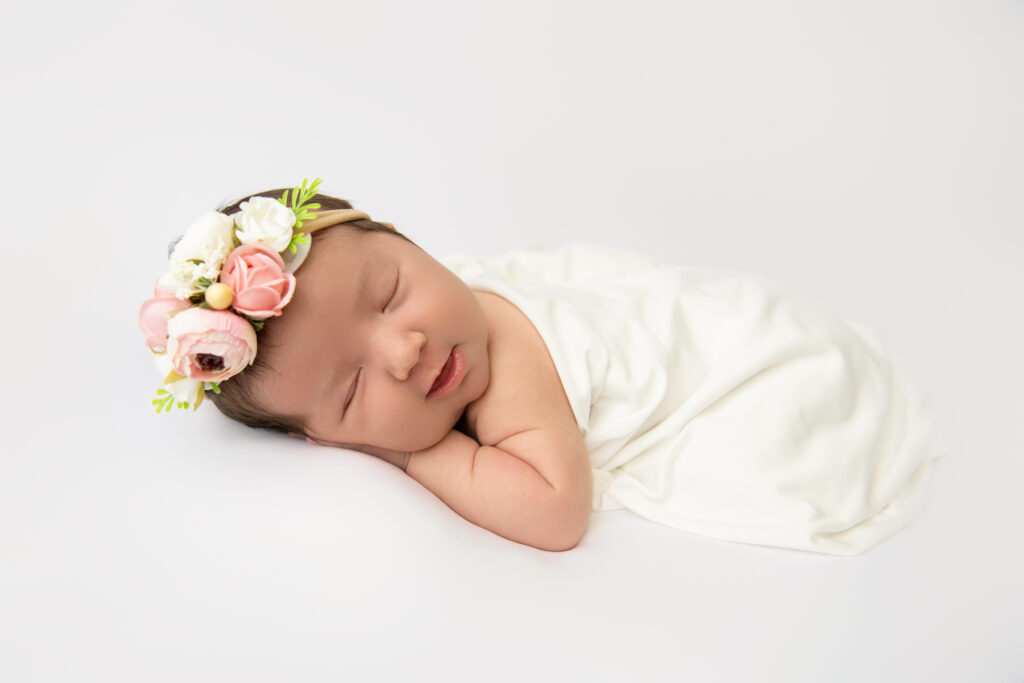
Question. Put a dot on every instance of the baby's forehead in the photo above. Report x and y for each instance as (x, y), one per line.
(329, 285)
(345, 271)
(339, 240)
(338, 253)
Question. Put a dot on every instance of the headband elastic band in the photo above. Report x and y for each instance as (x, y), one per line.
(325, 219)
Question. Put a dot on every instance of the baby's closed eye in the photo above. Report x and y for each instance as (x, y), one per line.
(351, 393)
(392, 292)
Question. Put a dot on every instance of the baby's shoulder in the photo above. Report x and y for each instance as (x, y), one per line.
(524, 392)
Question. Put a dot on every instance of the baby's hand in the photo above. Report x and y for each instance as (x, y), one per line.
(396, 458)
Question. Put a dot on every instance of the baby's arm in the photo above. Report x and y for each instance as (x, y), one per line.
(527, 475)
(493, 487)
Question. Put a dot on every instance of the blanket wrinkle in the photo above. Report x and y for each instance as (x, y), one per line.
(724, 404)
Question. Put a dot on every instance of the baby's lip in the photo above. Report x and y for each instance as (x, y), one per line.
(449, 375)
(437, 375)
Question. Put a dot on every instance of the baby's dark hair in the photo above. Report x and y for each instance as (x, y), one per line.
(236, 398)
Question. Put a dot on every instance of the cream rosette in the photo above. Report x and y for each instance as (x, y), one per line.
(266, 220)
(198, 255)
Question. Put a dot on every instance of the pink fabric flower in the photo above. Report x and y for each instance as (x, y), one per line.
(153, 317)
(209, 345)
(255, 274)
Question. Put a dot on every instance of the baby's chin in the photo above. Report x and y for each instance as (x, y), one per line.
(424, 439)
(431, 428)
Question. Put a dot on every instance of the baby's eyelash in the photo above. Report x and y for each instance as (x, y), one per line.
(352, 392)
(394, 291)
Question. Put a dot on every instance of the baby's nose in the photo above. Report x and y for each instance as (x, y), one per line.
(402, 352)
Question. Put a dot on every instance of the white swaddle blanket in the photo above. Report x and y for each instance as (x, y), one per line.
(720, 403)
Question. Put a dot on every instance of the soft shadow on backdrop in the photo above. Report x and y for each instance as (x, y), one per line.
(868, 153)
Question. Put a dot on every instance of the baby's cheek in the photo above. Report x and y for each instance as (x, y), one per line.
(415, 433)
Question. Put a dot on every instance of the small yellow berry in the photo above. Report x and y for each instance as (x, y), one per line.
(219, 296)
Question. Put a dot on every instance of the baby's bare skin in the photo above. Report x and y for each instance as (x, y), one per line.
(357, 359)
(521, 469)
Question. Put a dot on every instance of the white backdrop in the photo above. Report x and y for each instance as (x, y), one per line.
(869, 153)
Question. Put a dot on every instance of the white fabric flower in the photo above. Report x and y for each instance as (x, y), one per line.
(199, 253)
(185, 389)
(266, 219)
(211, 231)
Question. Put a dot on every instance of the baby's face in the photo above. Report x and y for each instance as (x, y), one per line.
(381, 345)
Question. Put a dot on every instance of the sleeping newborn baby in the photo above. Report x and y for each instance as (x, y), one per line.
(527, 389)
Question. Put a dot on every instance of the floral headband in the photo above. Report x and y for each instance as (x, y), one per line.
(227, 276)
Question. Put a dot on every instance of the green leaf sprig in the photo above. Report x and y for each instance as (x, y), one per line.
(302, 208)
(164, 400)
